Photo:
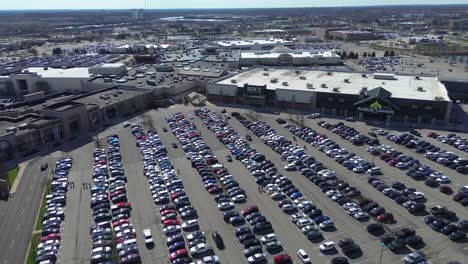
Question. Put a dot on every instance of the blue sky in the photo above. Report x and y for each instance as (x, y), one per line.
(125, 4)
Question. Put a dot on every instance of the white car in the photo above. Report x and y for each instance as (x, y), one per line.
(211, 259)
(302, 255)
(443, 179)
(277, 196)
(257, 258)
(224, 206)
(303, 222)
(295, 217)
(190, 224)
(239, 198)
(198, 249)
(268, 238)
(148, 237)
(327, 246)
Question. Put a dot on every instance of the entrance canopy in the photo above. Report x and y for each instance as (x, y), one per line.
(377, 102)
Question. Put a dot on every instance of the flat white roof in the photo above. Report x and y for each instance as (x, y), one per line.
(110, 65)
(60, 73)
(301, 54)
(253, 42)
(401, 87)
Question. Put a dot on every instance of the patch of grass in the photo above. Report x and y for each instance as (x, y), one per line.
(11, 176)
(42, 209)
(36, 239)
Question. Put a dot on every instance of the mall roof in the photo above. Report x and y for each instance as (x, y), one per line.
(59, 72)
(253, 42)
(294, 54)
(401, 86)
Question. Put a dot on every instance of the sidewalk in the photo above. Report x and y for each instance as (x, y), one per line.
(22, 167)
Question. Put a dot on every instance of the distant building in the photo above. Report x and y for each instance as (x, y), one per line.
(256, 44)
(352, 35)
(296, 58)
(138, 14)
(107, 69)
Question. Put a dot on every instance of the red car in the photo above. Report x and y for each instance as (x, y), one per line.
(181, 253)
(51, 237)
(177, 195)
(432, 134)
(445, 189)
(126, 237)
(458, 197)
(385, 217)
(168, 211)
(249, 210)
(120, 222)
(215, 190)
(115, 193)
(124, 205)
(170, 222)
(283, 259)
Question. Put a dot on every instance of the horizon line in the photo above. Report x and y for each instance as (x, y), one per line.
(228, 8)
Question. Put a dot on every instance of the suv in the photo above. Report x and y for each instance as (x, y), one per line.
(148, 237)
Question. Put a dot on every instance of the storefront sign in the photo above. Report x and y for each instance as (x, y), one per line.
(376, 108)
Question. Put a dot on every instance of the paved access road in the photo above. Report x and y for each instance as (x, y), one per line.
(18, 214)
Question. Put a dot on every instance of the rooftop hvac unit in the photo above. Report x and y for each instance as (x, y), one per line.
(274, 80)
(324, 85)
(439, 98)
(265, 69)
(233, 81)
(285, 83)
(329, 73)
(364, 75)
(11, 129)
(302, 78)
(336, 89)
(420, 89)
(266, 74)
(417, 78)
(298, 72)
(310, 86)
(346, 80)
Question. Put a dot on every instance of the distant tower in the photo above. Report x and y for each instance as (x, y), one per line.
(137, 14)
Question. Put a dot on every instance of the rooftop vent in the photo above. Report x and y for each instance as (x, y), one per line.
(285, 84)
(23, 126)
(417, 78)
(329, 73)
(336, 89)
(346, 80)
(310, 86)
(266, 74)
(11, 129)
(274, 80)
(302, 78)
(233, 81)
(324, 85)
(420, 89)
(364, 75)
(298, 72)
(265, 69)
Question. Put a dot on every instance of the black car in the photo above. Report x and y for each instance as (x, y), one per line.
(44, 166)
(174, 145)
(218, 239)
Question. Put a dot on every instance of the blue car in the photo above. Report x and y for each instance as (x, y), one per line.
(320, 219)
(176, 246)
(296, 195)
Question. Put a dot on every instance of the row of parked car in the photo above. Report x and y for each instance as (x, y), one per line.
(366, 205)
(341, 194)
(54, 214)
(279, 187)
(121, 229)
(451, 139)
(413, 168)
(211, 171)
(409, 198)
(164, 182)
(434, 153)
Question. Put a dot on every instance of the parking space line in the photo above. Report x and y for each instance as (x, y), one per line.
(17, 227)
(12, 243)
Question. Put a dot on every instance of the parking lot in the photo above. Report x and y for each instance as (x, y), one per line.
(145, 214)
